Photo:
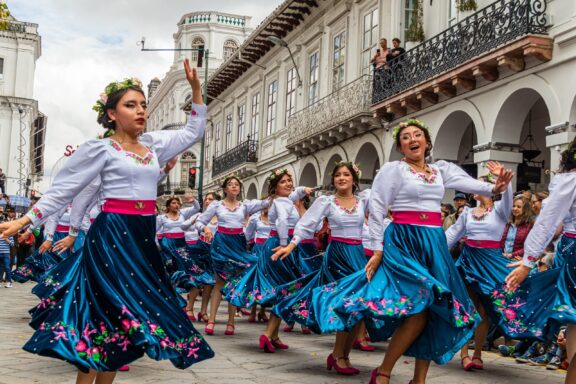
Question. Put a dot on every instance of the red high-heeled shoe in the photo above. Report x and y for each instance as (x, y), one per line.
(202, 317)
(363, 347)
(376, 374)
(332, 362)
(306, 331)
(266, 345)
(476, 365)
(355, 370)
(278, 344)
(229, 332)
(288, 328)
(190, 315)
(209, 331)
(467, 367)
(124, 368)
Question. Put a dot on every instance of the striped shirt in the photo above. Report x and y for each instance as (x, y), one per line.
(6, 244)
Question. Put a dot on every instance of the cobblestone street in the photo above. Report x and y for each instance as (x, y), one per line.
(238, 359)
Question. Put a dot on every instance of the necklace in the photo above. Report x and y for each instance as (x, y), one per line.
(418, 167)
(344, 197)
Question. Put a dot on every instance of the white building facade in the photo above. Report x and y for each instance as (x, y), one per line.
(493, 82)
(220, 34)
(22, 125)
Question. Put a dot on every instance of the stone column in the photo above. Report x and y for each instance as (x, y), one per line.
(507, 154)
(558, 137)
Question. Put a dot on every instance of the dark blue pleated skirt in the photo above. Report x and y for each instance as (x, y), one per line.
(310, 260)
(118, 304)
(36, 266)
(229, 255)
(194, 267)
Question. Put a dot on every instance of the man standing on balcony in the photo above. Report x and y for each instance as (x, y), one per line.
(397, 50)
(379, 59)
(2, 181)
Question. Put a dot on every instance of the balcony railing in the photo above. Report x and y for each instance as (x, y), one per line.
(18, 26)
(342, 105)
(247, 152)
(497, 24)
(172, 189)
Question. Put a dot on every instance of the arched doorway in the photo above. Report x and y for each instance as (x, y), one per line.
(252, 192)
(369, 163)
(308, 176)
(455, 140)
(327, 181)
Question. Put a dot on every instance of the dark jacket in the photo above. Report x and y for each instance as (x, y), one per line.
(521, 235)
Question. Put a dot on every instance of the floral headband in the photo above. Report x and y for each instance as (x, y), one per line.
(351, 164)
(408, 123)
(230, 176)
(278, 173)
(100, 105)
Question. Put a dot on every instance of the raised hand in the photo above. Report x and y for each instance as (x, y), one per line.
(503, 180)
(170, 164)
(495, 167)
(194, 80)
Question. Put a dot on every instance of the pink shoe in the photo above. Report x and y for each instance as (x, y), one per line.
(266, 344)
(124, 368)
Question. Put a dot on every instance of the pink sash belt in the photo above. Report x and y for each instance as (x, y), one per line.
(417, 218)
(570, 235)
(158, 235)
(203, 238)
(275, 233)
(174, 235)
(260, 240)
(62, 228)
(483, 243)
(346, 240)
(231, 231)
(368, 252)
(129, 207)
(191, 242)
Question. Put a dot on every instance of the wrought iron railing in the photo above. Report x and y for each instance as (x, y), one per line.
(499, 23)
(17, 26)
(344, 104)
(247, 152)
(171, 188)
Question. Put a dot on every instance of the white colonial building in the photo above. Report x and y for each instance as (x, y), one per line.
(22, 125)
(218, 33)
(495, 82)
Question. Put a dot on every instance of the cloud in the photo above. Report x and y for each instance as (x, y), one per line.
(87, 44)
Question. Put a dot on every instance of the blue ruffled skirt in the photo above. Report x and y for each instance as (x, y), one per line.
(565, 247)
(118, 304)
(194, 267)
(257, 285)
(38, 265)
(296, 299)
(229, 255)
(310, 260)
(171, 251)
(416, 274)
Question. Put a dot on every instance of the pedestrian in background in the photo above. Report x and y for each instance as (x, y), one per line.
(5, 246)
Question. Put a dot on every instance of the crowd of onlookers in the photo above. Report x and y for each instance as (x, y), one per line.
(385, 55)
(525, 209)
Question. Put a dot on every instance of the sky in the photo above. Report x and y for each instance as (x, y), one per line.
(88, 44)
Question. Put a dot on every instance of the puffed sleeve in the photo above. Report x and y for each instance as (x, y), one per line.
(553, 212)
(298, 194)
(364, 196)
(384, 189)
(82, 205)
(456, 178)
(308, 223)
(458, 230)
(79, 170)
(253, 206)
(504, 207)
(190, 222)
(52, 223)
(159, 223)
(207, 215)
(251, 226)
(283, 205)
(188, 212)
(169, 144)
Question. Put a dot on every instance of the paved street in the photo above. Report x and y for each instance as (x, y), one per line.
(238, 359)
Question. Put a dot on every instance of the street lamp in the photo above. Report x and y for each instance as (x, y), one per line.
(278, 41)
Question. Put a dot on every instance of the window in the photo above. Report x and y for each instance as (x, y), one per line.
(218, 129)
(230, 47)
(272, 100)
(410, 7)
(187, 161)
(207, 140)
(339, 59)
(369, 40)
(241, 123)
(314, 65)
(452, 12)
(228, 132)
(198, 56)
(291, 84)
(1, 68)
(255, 117)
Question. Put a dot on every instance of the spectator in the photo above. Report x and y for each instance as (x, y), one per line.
(5, 267)
(379, 59)
(396, 51)
(536, 201)
(2, 182)
(516, 231)
(447, 218)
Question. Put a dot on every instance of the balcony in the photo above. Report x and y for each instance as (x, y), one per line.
(10, 27)
(500, 40)
(334, 118)
(172, 189)
(241, 160)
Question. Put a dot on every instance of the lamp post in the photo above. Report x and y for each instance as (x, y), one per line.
(205, 53)
(278, 41)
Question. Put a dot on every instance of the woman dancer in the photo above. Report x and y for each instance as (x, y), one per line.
(481, 263)
(560, 203)
(228, 250)
(172, 237)
(412, 290)
(198, 271)
(258, 284)
(345, 212)
(120, 304)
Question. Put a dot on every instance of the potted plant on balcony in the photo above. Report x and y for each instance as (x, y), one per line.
(415, 32)
(4, 16)
(466, 8)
